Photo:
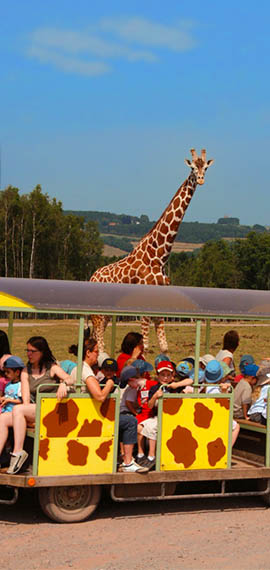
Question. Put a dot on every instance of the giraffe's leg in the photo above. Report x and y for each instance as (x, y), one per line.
(98, 330)
(161, 335)
(145, 325)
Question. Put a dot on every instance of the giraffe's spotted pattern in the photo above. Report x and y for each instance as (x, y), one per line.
(76, 436)
(145, 265)
(195, 433)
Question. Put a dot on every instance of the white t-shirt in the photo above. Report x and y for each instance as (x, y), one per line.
(86, 372)
(226, 354)
(129, 394)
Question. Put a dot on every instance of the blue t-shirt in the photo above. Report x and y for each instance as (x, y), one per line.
(12, 390)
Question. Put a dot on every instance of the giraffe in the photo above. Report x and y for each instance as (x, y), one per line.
(146, 263)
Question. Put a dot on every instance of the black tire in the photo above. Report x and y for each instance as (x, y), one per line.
(69, 504)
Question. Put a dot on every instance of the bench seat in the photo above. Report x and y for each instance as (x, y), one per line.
(253, 426)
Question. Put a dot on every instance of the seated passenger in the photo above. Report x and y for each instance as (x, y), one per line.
(88, 379)
(41, 368)
(245, 359)
(203, 360)
(132, 348)
(108, 371)
(12, 393)
(148, 428)
(4, 354)
(230, 344)
(127, 422)
(243, 392)
(213, 376)
(258, 411)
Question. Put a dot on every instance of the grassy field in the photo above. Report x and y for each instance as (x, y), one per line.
(254, 338)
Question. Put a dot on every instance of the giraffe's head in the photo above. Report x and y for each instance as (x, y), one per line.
(198, 165)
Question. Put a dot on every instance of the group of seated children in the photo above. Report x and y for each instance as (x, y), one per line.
(140, 393)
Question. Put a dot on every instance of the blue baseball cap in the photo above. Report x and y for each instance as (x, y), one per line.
(127, 373)
(213, 372)
(142, 365)
(251, 369)
(13, 362)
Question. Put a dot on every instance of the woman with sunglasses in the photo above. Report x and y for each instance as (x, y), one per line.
(41, 368)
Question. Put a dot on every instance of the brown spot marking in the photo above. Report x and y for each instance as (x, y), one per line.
(104, 449)
(44, 448)
(174, 226)
(176, 203)
(172, 405)
(223, 402)
(92, 429)
(62, 420)
(216, 449)
(202, 416)
(164, 229)
(169, 217)
(107, 409)
(77, 453)
(183, 446)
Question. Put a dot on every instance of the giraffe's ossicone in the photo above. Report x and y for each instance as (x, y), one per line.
(146, 263)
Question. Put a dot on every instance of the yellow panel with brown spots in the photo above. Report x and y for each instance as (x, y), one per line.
(194, 433)
(76, 436)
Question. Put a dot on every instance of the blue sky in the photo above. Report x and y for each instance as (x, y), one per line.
(101, 102)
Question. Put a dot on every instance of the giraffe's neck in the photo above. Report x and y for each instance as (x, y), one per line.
(159, 240)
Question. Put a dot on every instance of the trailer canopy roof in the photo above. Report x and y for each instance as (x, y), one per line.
(44, 295)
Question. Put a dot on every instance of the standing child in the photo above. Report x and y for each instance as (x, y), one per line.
(12, 393)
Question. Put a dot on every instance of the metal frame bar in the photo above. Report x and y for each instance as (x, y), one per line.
(222, 494)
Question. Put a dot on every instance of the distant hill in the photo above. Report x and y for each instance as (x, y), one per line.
(120, 230)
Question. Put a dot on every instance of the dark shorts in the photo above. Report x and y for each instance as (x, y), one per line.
(257, 417)
(127, 429)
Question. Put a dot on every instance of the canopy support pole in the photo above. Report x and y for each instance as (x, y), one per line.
(80, 353)
(113, 336)
(207, 336)
(197, 355)
(10, 329)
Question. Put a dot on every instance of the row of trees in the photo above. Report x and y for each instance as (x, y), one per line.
(38, 241)
(242, 264)
(192, 232)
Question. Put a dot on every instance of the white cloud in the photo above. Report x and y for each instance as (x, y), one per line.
(67, 63)
(139, 30)
(94, 46)
(82, 42)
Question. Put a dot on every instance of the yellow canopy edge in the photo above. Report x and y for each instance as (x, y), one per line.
(7, 300)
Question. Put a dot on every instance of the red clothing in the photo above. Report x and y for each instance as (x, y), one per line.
(238, 378)
(142, 398)
(122, 358)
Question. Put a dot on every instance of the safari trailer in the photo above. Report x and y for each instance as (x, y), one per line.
(74, 442)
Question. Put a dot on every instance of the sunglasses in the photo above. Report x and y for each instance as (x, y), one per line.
(29, 351)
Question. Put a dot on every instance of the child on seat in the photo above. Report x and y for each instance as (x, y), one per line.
(213, 376)
(258, 411)
(12, 393)
(243, 391)
(148, 428)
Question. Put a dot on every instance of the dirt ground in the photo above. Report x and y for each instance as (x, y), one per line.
(198, 534)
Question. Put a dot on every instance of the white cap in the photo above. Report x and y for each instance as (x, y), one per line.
(206, 358)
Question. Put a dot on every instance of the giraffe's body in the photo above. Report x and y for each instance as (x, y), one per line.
(146, 263)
